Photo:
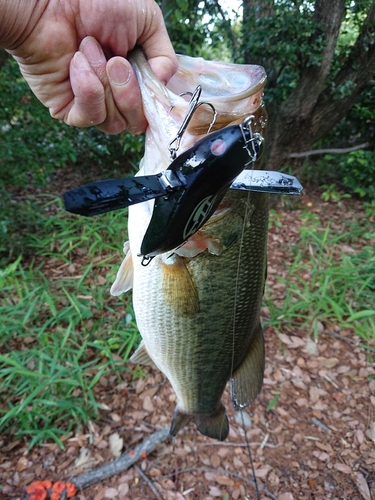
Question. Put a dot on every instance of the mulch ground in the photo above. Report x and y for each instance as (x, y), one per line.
(315, 441)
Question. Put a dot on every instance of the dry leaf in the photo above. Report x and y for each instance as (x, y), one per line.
(311, 348)
(22, 464)
(224, 481)
(215, 491)
(84, 457)
(370, 433)
(262, 472)
(110, 493)
(116, 444)
(215, 460)
(286, 496)
(343, 468)
(362, 486)
(314, 393)
(147, 404)
(239, 415)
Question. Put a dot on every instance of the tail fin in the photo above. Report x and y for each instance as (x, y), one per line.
(215, 425)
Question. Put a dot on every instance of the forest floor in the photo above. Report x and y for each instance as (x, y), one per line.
(311, 430)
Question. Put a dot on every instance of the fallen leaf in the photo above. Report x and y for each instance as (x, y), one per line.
(239, 415)
(370, 433)
(362, 486)
(215, 491)
(314, 393)
(286, 496)
(84, 457)
(110, 493)
(22, 464)
(262, 472)
(116, 444)
(215, 460)
(224, 480)
(147, 404)
(343, 468)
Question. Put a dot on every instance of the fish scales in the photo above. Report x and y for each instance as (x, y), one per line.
(197, 308)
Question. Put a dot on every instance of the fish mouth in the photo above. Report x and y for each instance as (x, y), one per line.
(233, 90)
(220, 81)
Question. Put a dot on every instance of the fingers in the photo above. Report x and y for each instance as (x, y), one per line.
(106, 94)
(126, 94)
(114, 122)
(158, 48)
(88, 106)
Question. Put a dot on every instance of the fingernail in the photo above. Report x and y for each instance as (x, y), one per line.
(119, 73)
(81, 62)
(92, 51)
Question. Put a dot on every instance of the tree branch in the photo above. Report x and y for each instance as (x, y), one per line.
(304, 154)
(122, 463)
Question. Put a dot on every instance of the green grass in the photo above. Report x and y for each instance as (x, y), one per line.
(60, 330)
(326, 285)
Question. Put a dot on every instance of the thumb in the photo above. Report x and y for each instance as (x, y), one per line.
(158, 48)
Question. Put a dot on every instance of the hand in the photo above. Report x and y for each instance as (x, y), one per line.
(74, 59)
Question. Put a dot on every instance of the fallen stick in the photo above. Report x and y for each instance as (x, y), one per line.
(122, 463)
(149, 482)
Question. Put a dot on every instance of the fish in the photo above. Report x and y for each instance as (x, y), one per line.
(197, 306)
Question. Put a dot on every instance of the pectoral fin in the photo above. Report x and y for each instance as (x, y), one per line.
(178, 287)
(247, 380)
(141, 356)
(124, 278)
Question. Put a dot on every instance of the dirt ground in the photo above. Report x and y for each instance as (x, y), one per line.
(316, 442)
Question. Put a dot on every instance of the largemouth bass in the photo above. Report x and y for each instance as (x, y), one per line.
(198, 307)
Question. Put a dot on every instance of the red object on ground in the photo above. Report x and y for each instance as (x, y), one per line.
(40, 490)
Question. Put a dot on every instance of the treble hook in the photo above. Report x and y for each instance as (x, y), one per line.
(194, 104)
(252, 140)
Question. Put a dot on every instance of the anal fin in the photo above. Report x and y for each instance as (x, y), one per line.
(247, 380)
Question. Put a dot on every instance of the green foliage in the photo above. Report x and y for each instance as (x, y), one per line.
(32, 144)
(353, 172)
(198, 28)
(273, 403)
(283, 41)
(331, 193)
(326, 285)
(60, 330)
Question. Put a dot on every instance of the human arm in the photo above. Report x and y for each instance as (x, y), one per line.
(73, 55)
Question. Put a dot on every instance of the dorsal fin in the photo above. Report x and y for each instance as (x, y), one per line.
(124, 277)
(247, 380)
